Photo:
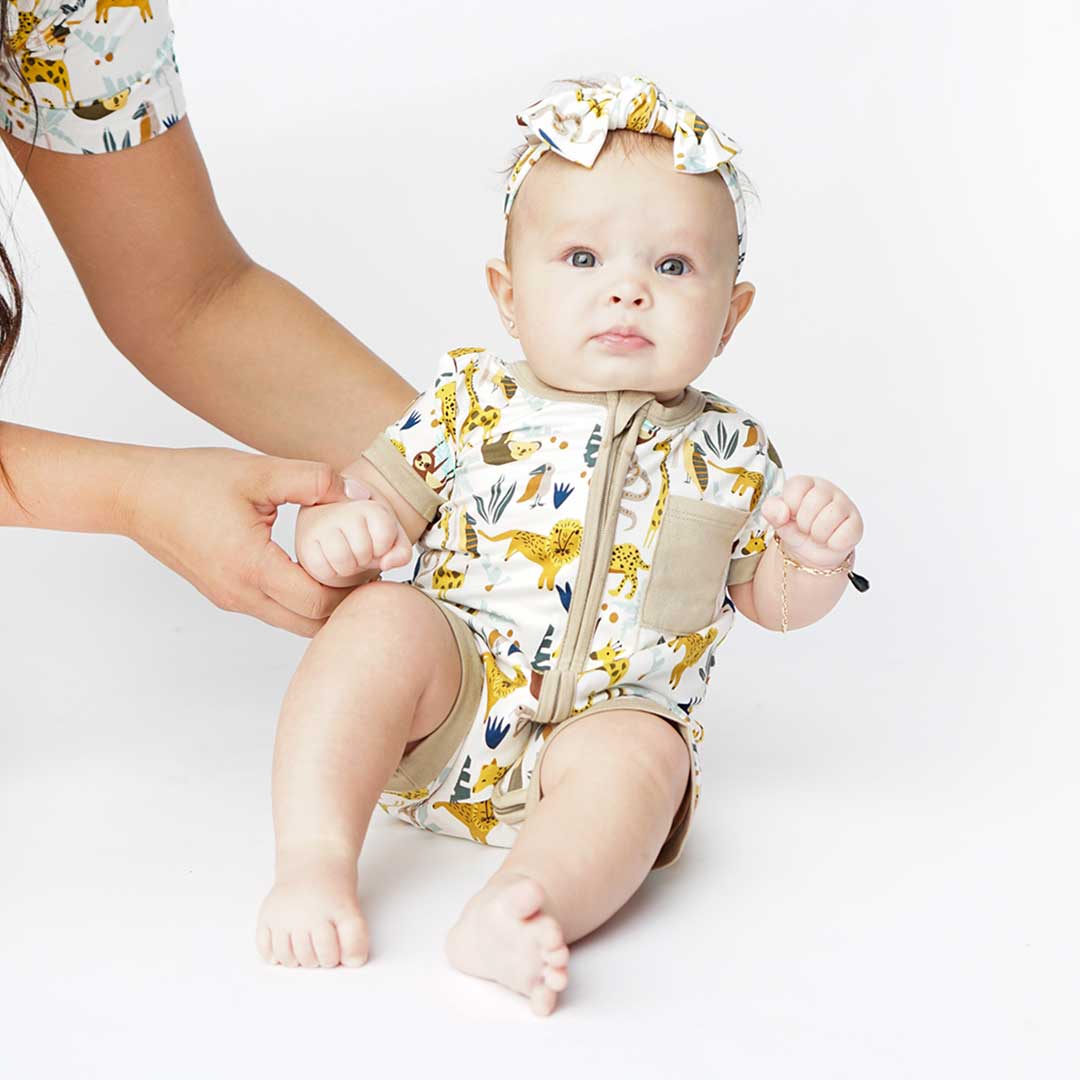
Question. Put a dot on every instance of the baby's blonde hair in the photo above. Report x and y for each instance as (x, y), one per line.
(628, 141)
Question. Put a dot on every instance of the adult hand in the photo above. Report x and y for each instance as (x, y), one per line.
(207, 514)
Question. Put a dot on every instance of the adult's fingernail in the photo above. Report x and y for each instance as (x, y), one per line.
(355, 490)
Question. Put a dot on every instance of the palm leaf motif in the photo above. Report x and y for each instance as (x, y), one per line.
(592, 446)
(541, 660)
(496, 502)
(463, 785)
(722, 446)
(706, 669)
(411, 421)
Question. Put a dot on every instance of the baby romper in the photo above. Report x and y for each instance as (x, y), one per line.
(102, 73)
(580, 548)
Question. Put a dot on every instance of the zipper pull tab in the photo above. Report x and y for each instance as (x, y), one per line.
(630, 402)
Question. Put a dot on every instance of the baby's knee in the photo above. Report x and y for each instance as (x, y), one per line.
(660, 751)
(390, 609)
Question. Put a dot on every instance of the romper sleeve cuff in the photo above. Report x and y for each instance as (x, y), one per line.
(396, 471)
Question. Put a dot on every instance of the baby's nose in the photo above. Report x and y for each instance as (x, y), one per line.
(629, 296)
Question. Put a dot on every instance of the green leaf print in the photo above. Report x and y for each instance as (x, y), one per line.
(592, 446)
(541, 661)
(710, 444)
(463, 787)
(496, 502)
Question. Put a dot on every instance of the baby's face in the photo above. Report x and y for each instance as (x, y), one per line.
(629, 244)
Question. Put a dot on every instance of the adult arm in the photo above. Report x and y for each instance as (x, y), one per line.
(205, 513)
(221, 335)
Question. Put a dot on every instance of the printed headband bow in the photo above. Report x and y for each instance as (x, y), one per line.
(575, 122)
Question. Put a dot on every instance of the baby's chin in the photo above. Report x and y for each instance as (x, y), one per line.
(598, 374)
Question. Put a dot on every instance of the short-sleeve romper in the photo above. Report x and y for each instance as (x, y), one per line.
(101, 72)
(580, 548)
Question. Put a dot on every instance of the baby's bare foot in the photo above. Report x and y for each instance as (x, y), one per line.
(504, 934)
(311, 917)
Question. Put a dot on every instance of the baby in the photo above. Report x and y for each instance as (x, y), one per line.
(587, 522)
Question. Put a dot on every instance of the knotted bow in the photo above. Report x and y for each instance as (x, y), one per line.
(575, 122)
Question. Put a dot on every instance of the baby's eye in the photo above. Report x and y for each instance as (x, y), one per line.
(679, 262)
(575, 261)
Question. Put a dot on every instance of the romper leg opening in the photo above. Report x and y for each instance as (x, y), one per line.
(420, 766)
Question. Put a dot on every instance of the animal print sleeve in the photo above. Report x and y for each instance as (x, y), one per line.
(97, 75)
(417, 453)
(756, 534)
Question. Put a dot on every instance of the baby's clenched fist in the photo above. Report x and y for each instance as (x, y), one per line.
(336, 543)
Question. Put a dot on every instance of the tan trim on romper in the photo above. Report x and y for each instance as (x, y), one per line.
(620, 407)
(743, 569)
(684, 410)
(419, 768)
(392, 466)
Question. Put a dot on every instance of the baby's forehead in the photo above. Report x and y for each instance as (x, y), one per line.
(617, 185)
(674, 211)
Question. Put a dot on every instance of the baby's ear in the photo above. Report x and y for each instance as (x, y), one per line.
(501, 286)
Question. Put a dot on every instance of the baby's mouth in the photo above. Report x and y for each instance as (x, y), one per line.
(619, 341)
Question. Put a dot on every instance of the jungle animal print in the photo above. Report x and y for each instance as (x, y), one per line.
(531, 523)
(101, 73)
(552, 552)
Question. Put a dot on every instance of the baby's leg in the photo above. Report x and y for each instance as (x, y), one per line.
(611, 784)
(383, 672)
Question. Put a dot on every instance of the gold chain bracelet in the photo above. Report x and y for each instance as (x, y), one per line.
(844, 567)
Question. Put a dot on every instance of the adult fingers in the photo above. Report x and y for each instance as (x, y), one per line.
(274, 614)
(305, 482)
(291, 587)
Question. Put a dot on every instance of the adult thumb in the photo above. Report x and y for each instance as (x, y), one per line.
(303, 482)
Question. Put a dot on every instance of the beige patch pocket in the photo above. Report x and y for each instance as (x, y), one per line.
(690, 564)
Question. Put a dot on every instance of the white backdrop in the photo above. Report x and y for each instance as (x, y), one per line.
(879, 882)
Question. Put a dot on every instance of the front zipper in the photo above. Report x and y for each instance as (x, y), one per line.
(559, 685)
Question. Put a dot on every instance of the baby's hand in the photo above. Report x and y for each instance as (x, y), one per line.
(817, 522)
(337, 542)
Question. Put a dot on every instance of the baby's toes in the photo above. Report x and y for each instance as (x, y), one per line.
(557, 958)
(542, 999)
(547, 933)
(555, 978)
(282, 949)
(353, 936)
(303, 950)
(263, 943)
(324, 940)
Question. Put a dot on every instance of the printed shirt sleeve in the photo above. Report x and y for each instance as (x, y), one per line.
(756, 535)
(416, 454)
(102, 75)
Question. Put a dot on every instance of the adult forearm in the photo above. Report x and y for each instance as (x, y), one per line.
(64, 482)
(263, 362)
(225, 337)
(810, 596)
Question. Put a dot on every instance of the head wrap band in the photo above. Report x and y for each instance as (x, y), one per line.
(575, 122)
